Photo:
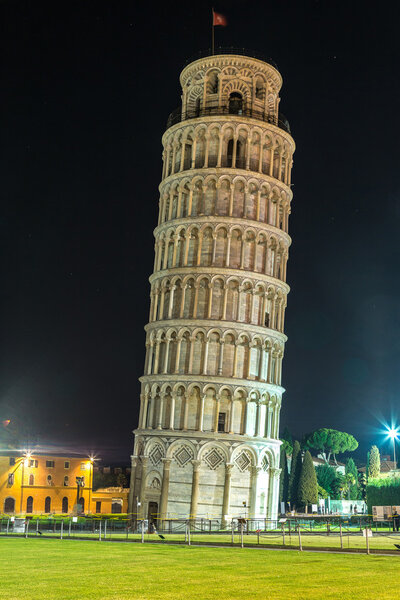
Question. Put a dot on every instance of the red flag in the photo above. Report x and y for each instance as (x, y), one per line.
(219, 19)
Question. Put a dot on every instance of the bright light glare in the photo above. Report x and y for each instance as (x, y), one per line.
(393, 433)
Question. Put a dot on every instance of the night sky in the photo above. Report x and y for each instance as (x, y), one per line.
(85, 92)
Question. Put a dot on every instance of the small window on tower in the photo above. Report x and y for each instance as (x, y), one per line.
(221, 422)
(266, 320)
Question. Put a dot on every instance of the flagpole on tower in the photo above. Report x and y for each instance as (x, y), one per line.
(217, 19)
(212, 32)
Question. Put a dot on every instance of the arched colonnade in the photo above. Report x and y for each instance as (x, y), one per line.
(217, 246)
(227, 145)
(225, 196)
(218, 297)
(190, 408)
(180, 351)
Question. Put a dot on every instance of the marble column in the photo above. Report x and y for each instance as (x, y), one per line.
(164, 488)
(227, 494)
(132, 486)
(195, 489)
(255, 472)
(144, 460)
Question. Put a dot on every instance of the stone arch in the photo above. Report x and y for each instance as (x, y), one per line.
(207, 244)
(238, 86)
(214, 349)
(184, 356)
(249, 250)
(213, 146)
(235, 251)
(239, 191)
(223, 197)
(212, 81)
(209, 446)
(193, 399)
(221, 245)
(243, 356)
(193, 246)
(232, 303)
(193, 105)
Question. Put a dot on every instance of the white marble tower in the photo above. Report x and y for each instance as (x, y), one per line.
(207, 438)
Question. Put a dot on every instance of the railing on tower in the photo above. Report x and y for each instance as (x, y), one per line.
(176, 116)
(231, 50)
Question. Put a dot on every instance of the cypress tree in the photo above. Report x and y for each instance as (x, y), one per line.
(374, 467)
(284, 480)
(352, 469)
(295, 469)
(307, 492)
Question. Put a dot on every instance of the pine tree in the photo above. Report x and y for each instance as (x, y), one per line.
(374, 468)
(307, 492)
(284, 479)
(295, 469)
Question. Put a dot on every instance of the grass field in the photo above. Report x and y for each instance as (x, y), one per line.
(41, 569)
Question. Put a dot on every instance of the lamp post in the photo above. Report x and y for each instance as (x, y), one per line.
(394, 434)
(25, 458)
(91, 459)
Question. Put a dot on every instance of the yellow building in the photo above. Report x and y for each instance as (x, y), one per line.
(33, 483)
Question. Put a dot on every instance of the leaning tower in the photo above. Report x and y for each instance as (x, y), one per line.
(207, 442)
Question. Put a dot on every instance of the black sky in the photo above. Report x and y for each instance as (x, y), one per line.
(86, 88)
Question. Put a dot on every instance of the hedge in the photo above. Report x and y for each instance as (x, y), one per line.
(383, 492)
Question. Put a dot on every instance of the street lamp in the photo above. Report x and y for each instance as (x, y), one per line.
(393, 434)
(91, 461)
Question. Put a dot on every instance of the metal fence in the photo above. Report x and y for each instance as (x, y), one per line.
(339, 533)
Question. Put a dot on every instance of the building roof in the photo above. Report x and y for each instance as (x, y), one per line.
(321, 461)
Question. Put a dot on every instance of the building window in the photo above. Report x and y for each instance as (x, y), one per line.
(66, 481)
(83, 466)
(33, 463)
(66, 464)
(47, 504)
(29, 504)
(31, 480)
(49, 480)
(81, 507)
(9, 505)
(65, 505)
(116, 506)
(98, 506)
(221, 422)
(50, 464)
(12, 461)
(11, 479)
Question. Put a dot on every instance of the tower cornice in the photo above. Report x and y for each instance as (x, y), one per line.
(222, 61)
(225, 326)
(233, 119)
(227, 271)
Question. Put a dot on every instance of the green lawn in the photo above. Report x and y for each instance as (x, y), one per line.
(41, 569)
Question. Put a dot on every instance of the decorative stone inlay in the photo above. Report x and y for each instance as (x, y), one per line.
(213, 458)
(243, 461)
(183, 455)
(155, 484)
(156, 455)
(265, 463)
